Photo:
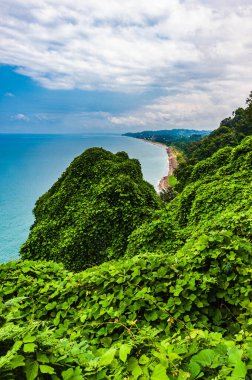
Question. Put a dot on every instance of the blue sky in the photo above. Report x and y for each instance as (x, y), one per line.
(81, 66)
(26, 106)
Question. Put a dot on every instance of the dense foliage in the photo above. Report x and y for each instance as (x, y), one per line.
(155, 316)
(219, 196)
(230, 133)
(177, 306)
(88, 214)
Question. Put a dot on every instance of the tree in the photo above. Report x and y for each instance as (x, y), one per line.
(249, 108)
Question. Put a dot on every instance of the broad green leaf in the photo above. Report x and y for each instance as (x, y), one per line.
(239, 371)
(106, 341)
(64, 306)
(144, 359)
(83, 317)
(234, 356)
(151, 316)
(137, 371)
(46, 369)
(194, 369)
(29, 339)
(159, 373)
(124, 352)
(29, 347)
(101, 375)
(108, 357)
(72, 374)
(56, 320)
(204, 358)
(132, 363)
(17, 361)
(31, 370)
(51, 305)
(68, 374)
(134, 368)
(42, 358)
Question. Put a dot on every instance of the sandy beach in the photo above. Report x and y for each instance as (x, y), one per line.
(172, 165)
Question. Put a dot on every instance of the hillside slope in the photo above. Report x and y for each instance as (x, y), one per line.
(177, 306)
(229, 134)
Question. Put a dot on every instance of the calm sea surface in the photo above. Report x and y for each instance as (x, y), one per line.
(30, 164)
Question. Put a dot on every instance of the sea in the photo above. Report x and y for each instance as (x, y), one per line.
(31, 163)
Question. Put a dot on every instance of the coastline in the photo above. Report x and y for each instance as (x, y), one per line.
(172, 164)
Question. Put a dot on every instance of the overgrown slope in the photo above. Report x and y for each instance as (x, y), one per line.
(176, 307)
(229, 134)
(219, 196)
(88, 214)
(154, 316)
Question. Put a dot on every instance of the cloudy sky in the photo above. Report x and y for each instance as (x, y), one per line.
(87, 65)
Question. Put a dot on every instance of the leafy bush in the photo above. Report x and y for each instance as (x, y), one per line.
(153, 316)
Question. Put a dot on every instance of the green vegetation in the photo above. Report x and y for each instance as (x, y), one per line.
(178, 137)
(219, 198)
(88, 214)
(151, 317)
(176, 301)
(230, 133)
(172, 180)
(179, 154)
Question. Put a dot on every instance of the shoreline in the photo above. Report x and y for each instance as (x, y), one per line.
(172, 164)
(154, 143)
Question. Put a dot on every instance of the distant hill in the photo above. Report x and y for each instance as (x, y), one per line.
(177, 137)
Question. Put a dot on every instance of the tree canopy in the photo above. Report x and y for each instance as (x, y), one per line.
(230, 133)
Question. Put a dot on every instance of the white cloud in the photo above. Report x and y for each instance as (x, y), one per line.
(202, 109)
(126, 120)
(64, 44)
(20, 117)
(198, 51)
(9, 94)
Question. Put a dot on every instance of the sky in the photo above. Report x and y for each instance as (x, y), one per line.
(90, 66)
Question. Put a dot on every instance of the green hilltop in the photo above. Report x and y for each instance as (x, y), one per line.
(167, 289)
(88, 214)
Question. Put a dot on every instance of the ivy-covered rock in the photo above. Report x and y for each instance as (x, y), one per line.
(88, 214)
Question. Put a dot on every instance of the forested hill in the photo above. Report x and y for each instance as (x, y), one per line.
(175, 302)
(229, 134)
(178, 137)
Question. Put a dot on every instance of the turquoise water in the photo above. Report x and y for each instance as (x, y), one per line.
(30, 164)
